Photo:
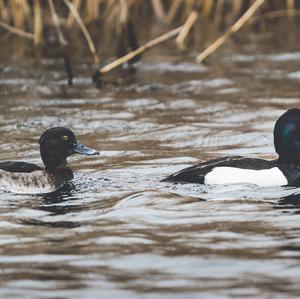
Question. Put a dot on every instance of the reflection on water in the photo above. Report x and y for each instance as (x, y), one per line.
(116, 230)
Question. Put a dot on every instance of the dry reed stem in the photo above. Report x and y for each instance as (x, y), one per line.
(237, 5)
(107, 68)
(276, 14)
(112, 14)
(17, 31)
(71, 19)
(207, 7)
(91, 10)
(38, 23)
(234, 28)
(17, 13)
(84, 30)
(290, 4)
(235, 9)
(173, 10)
(290, 7)
(186, 28)
(123, 11)
(26, 8)
(63, 42)
(158, 10)
(4, 12)
(219, 11)
(189, 5)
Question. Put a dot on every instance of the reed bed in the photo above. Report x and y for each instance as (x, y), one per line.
(124, 23)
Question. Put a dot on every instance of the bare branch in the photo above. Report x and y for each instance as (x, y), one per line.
(55, 18)
(107, 68)
(234, 28)
(85, 32)
(16, 31)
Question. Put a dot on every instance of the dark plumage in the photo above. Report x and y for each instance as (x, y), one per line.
(56, 144)
(287, 146)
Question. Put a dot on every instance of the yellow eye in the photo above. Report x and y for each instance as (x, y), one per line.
(65, 138)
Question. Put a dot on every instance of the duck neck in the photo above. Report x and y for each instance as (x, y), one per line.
(53, 161)
(289, 160)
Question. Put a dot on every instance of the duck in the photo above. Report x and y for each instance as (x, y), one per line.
(283, 171)
(56, 145)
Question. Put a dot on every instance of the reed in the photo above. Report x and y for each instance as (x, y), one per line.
(233, 29)
(121, 20)
(38, 23)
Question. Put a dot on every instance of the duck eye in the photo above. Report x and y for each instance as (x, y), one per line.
(65, 138)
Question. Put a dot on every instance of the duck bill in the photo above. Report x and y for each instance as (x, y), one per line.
(84, 150)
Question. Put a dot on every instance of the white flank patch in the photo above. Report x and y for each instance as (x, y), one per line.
(231, 175)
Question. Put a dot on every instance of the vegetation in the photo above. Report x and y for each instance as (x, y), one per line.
(104, 21)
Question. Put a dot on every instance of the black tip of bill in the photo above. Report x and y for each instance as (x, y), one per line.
(84, 150)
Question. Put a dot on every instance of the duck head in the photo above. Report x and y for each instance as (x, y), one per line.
(287, 136)
(56, 144)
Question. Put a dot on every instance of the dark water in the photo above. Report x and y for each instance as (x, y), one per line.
(116, 230)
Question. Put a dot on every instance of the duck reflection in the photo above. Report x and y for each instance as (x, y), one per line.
(52, 204)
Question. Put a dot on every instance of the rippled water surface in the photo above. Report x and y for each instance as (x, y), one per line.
(117, 230)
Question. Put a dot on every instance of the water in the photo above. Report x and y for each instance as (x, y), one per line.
(116, 230)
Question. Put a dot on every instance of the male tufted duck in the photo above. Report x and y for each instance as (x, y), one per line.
(237, 169)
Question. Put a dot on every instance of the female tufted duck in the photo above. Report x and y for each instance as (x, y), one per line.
(56, 144)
